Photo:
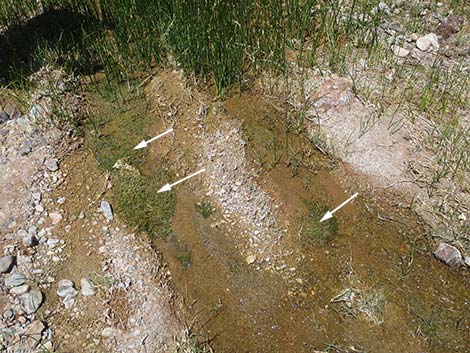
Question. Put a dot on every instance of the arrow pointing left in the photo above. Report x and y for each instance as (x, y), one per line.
(144, 143)
(167, 187)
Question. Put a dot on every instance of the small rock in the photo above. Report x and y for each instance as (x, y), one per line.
(81, 215)
(428, 42)
(52, 242)
(20, 289)
(69, 300)
(451, 25)
(56, 217)
(400, 52)
(61, 200)
(383, 7)
(52, 164)
(6, 263)
(29, 240)
(66, 287)
(32, 301)
(4, 117)
(250, 259)
(87, 287)
(467, 261)
(448, 254)
(107, 210)
(34, 334)
(9, 314)
(26, 148)
(15, 279)
(107, 332)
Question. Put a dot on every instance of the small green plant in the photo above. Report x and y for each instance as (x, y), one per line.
(185, 259)
(234, 266)
(312, 230)
(204, 208)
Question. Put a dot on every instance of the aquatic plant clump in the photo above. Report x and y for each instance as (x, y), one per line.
(312, 230)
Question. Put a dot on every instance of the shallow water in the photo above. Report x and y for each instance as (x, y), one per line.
(242, 309)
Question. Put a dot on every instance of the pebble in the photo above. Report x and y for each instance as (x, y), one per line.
(66, 287)
(9, 314)
(15, 279)
(81, 215)
(107, 210)
(448, 254)
(250, 259)
(61, 200)
(6, 263)
(56, 217)
(107, 332)
(32, 301)
(4, 117)
(87, 287)
(52, 242)
(52, 164)
(26, 148)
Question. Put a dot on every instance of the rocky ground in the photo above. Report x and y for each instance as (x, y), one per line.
(73, 277)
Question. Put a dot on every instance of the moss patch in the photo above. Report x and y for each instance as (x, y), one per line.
(312, 230)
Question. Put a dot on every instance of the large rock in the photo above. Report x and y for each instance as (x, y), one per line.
(15, 280)
(448, 254)
(428, 42)
(6, 263)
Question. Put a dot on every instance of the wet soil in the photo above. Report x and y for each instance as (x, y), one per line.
(377, 248)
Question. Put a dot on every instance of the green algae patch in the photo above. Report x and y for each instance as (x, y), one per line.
(113, 130)
(137, 201)
(314, 232)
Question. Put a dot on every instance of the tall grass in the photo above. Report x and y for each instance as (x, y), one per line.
(226, 41)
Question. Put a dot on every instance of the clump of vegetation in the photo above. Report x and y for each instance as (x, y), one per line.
(370, 303)
(312, 230)
(188, 342)
(137, 200)
(204, 208)
(115, 128)
(185, 259)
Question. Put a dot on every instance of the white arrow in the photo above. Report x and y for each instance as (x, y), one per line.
(167, 187)
(144, 143)
(329, 214)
